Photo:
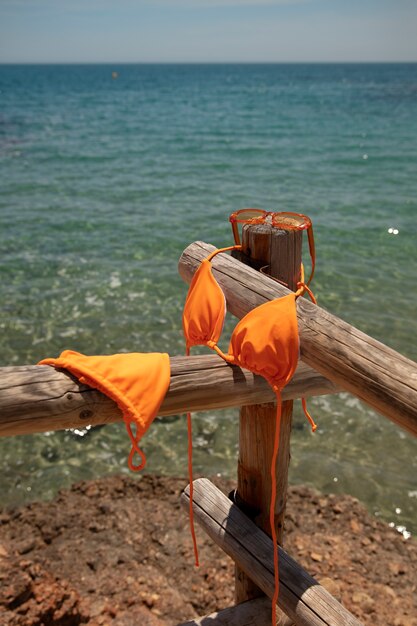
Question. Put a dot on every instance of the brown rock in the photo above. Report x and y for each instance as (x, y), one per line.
(389, 592)
(332, 586)
(137, 567)
(3, 551)
(405, 620)
(25, 546)
(139, 615)
(355, 526)
(15, 585)
(97, 607)
(364, 600)
(299, 544)
(397, 568)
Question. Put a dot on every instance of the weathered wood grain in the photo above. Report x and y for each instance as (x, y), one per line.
(375, 373)
(278, 253)
(36, 398)
(301, 597)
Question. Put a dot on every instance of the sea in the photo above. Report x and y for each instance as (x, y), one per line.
(109, 171)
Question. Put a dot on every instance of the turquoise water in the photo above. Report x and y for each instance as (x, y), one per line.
(105, 182)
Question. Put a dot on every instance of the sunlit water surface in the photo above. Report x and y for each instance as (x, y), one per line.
(104, 182)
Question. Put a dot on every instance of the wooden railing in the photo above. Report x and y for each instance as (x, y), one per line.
(349, 358)
(373, 372)
(38, 399)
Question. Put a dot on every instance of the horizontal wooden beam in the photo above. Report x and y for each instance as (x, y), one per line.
(252, 613)
(376, 374)
(36, 398)
(301, 597)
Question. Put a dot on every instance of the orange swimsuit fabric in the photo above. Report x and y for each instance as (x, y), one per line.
(137, 382)
(205, 308)
(265, 341)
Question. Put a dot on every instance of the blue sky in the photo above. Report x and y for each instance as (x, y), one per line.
(207, 30)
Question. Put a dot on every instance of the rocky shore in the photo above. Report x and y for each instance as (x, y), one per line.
(117, 552)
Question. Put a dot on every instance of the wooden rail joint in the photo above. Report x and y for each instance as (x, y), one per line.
(378, 375)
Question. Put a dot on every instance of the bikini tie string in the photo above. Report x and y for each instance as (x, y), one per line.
(302, 288)
(273, 501)
(134, 439)
(308, 416)
(190, 479)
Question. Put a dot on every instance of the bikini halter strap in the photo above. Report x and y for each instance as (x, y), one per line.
(303, 286)
(213, 254)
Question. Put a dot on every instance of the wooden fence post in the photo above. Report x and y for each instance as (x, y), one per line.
(277, 253)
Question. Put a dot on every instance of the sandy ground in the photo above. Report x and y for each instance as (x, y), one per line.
(117, 552)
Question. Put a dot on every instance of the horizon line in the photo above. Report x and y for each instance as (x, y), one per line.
(347, 62)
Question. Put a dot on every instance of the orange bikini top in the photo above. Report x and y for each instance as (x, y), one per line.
(265, 341)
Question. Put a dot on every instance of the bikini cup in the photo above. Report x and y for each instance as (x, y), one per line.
(204, 310)
(266, 342)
